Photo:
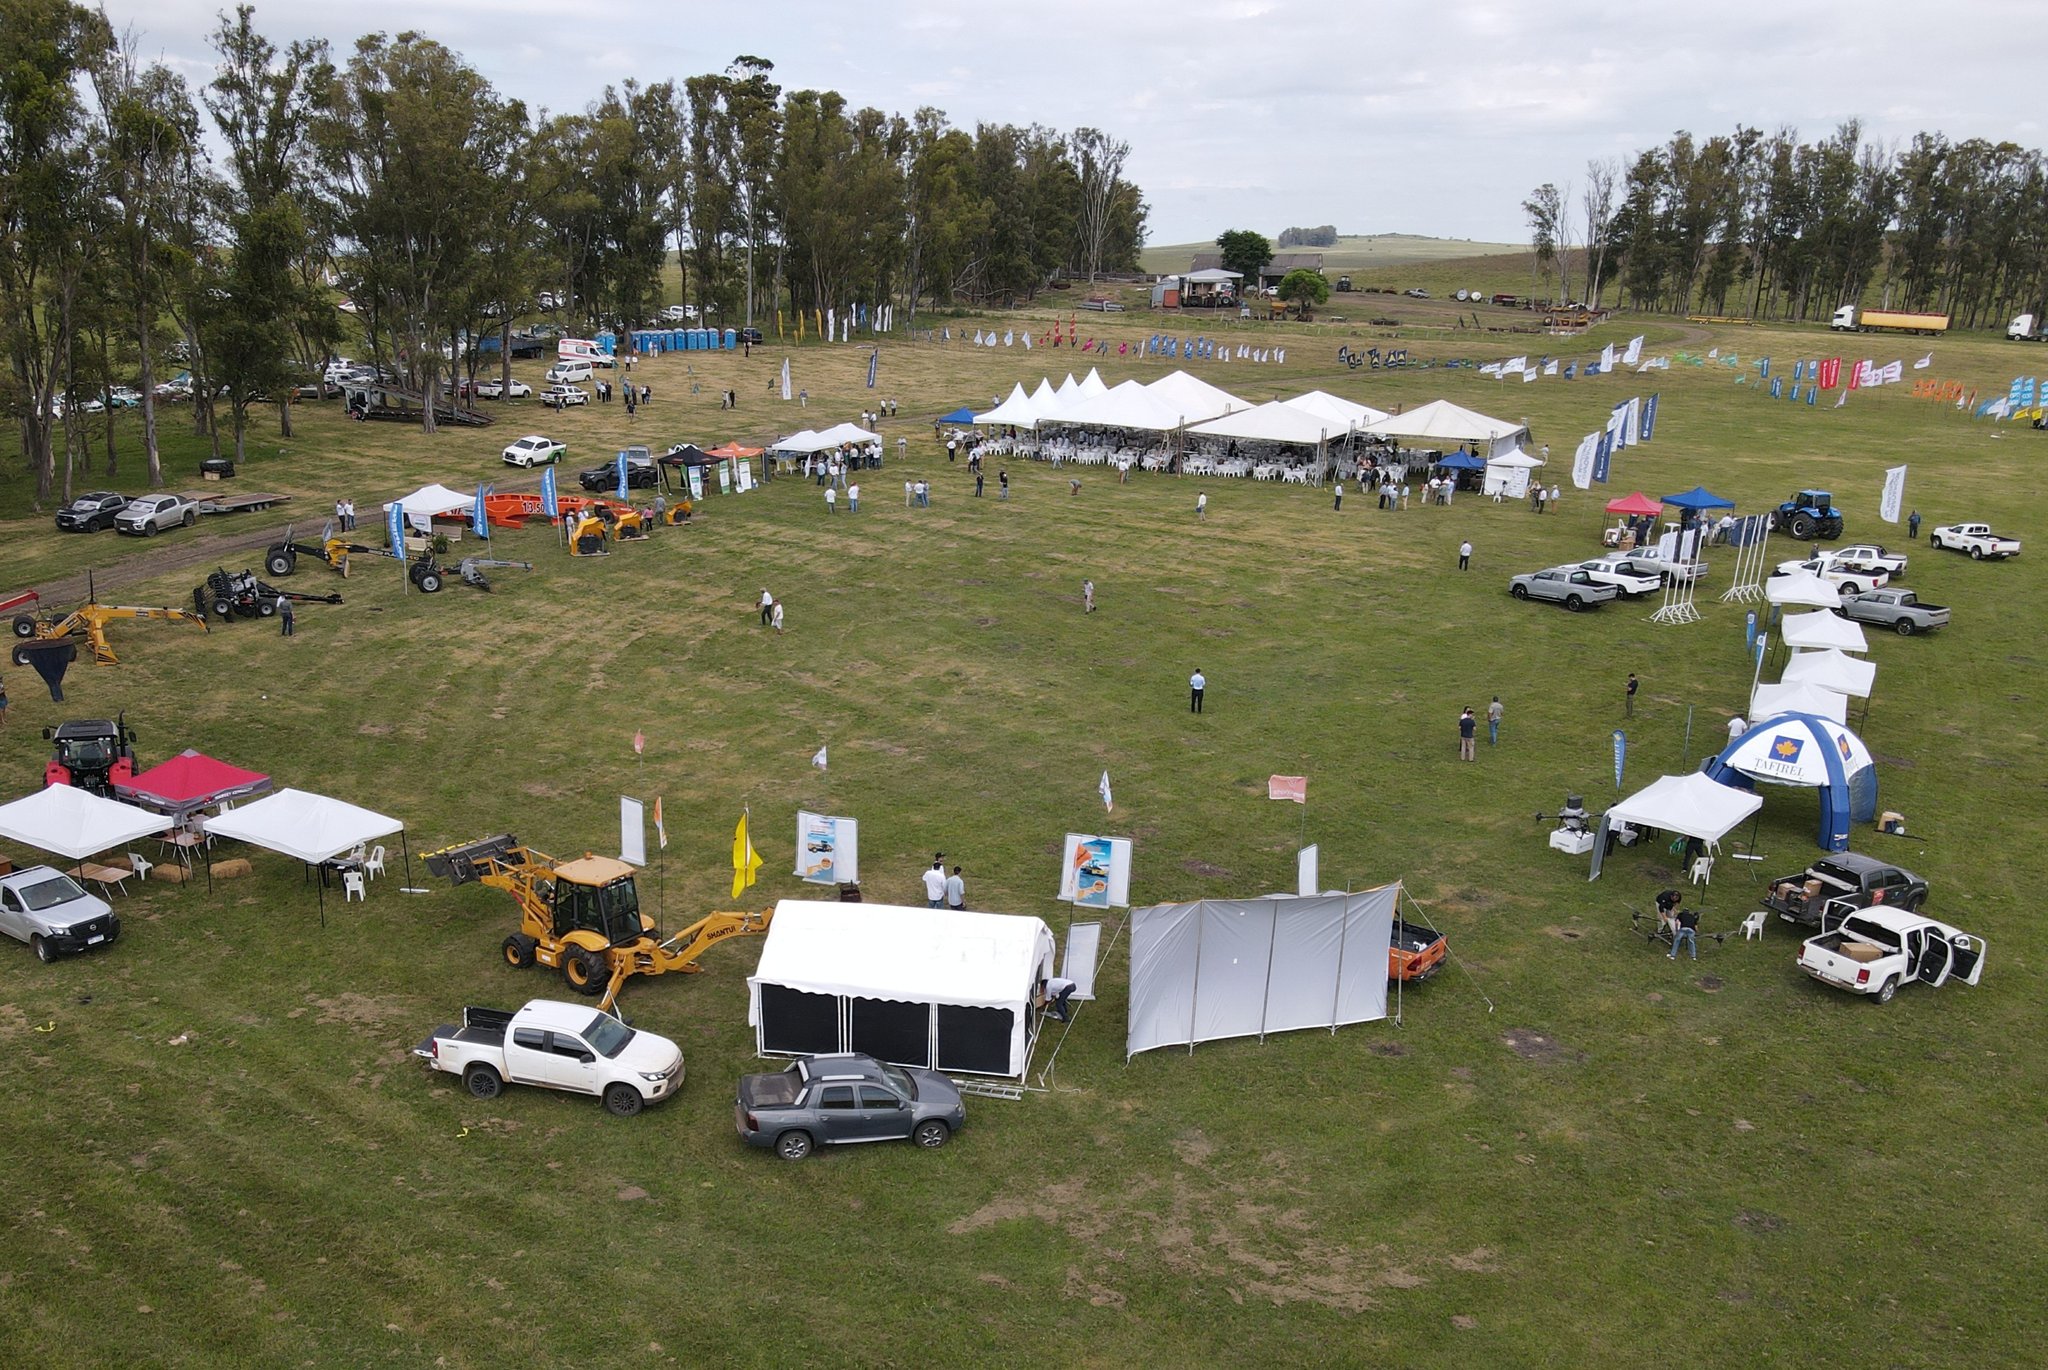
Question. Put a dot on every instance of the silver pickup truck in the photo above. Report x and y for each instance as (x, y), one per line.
(553, 1045)
(1899, 610)
(839, 1099)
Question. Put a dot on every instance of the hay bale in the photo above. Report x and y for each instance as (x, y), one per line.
(232, 869)
(170, 872)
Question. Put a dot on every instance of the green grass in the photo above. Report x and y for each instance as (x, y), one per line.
(1352, 252)
(1754, 1170)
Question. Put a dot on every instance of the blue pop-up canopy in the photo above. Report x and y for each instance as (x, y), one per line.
(962, 415)
(1462, 461)
(1699, 497)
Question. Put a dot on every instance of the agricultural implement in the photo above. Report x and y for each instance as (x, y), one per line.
(583, 917)
(283, 557)
(238, 594)
(428, 575)
(88, 623)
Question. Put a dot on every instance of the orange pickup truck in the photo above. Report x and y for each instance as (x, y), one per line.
(1415, 952)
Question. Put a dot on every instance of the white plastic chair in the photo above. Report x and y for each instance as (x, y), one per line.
(352, 886)
(1703, 870)
(1753, 926)
(374, 867)
(139, 864)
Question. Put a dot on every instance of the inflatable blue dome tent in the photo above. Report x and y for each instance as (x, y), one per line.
(1808, 750)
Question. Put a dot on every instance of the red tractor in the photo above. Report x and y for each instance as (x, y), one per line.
(91, 753)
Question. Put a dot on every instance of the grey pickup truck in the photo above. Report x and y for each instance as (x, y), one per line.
(844, 1098)
(1899, 610)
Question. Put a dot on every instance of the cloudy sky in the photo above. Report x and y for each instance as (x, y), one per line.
(1424, 118)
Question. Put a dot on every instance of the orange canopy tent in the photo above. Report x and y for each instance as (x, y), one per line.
(732, 449)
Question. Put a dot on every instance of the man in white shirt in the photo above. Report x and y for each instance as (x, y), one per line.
(956, 891)
(935, 886)
(1196, 684)
(767, 605)
(1737, 726)
(853, 498)
(831, 499)
(1054, 992)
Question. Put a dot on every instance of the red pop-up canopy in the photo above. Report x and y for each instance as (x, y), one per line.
(1637, 503)
(188, 782)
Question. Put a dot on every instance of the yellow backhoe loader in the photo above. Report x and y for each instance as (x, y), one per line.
(89, 621)
(583, 917)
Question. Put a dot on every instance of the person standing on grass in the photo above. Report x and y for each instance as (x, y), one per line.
(767, 606)
(831, 499)
(1338, 502)
(1737, 726)
(956, 892)
(1465, 555)
(1002, 483)
(1202, 507)
(977, 484)
(1196, 684)
(853, 498)
(1913, 524)
(935, 886)
(1087, 596)
(286, 626)
(1493, 717)
(1468, 729)
(1628, 698)
(1404, 495)
(775, 617)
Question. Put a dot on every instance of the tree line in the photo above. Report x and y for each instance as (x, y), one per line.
(1771, 227)
(144, 221)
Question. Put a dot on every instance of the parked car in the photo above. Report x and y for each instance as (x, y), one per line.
(53, 914)
(1867, 556)
(1874, 951)
(1672, 570)
(641, 474)
(151, 514)
(1844, 580)
(1896, 609)
(750, 335)
(1975, 538)
(93, 513)
(564, 396)
(553, 1045)
(840, 1099)
(1571, 586)
(1629, 577)
(534, 450)
(1416, 293)
(124, 397)
(491, 390)
(1848, 879)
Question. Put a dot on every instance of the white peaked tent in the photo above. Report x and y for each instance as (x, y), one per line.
(1689, 804)
(429, 500)
(1343, 412)
(1221, 968)
(1831, 670)
(1093, 384)
(1441, 424)
(1194, 397)
(1274, 422)
(1802, 587)
(1068, 389)
(309, 826)
(1768, 701)
(937, 988)
(72, 823)
(1044, 399)
(1823, 629)
(1016, 409)
(1129, 405)
(1508, 473)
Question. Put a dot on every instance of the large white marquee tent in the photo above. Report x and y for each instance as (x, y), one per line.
(1441, 423)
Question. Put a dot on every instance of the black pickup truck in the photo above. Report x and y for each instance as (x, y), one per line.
(1846, 880)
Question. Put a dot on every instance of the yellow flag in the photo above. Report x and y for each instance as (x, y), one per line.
(746, 862)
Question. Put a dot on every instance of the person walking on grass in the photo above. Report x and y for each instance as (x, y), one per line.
(831, 499)
(1338, 502)
(1465, 555)
(1196, 684)
(1202, 507)
(1493, 717)
(1087, 596)
(287, 626)
(1468, 728)
(1002, 484)
(775, 618)
(853, 498)
(1628, 696)
(767, 606)
(977, 484)
(935, 886)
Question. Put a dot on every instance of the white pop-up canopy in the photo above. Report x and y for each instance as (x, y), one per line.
(1221, 968)
(1344, 412)
(801, 441)
(1823, 629)
(1273, 422)
(311, 827)
(1016, 409)
(840, 433)
(1442, 422)
(1798, 697)
(1831, 670)
(1802, 587)
(430, 500)
(1508, 474)
(73, 823)
(1690, 804)
(937, 988)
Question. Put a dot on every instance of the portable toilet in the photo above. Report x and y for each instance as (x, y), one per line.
(607, 342)
(732, 339)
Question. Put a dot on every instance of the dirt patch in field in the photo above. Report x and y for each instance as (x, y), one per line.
(886, 748)
(1079, 1286)
(368, 1011)
(1194, 1148)
(374, 730)
(1388, 1049)
(13, 1022)
(1536, 1046)
(1566, 934)
(1203, 868)
(1887, 759)
(1757, 1221)
(1710, 983)
(1464, 1322)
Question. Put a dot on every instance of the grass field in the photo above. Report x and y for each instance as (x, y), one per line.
(1352, 251)
(1569, 1151)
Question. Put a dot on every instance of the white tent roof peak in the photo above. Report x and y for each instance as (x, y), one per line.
(429, 500)
(847, 432)
(1442, 421)
(1129, 405)
(1823, 629)
(1802, 587)
(1017, 409)
(1194, 397)
(1348, 412)
(73, 823)
(1797, 697)
(1092, 383)
(1273, 422)
(1515, 458)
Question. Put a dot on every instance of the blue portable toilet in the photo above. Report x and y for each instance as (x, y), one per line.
(732, 339)
(671, 340)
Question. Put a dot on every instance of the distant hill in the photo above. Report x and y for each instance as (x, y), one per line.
(1353, 252)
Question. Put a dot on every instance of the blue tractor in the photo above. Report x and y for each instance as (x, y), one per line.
(1810, 514)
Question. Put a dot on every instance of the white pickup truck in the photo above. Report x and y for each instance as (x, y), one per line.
(1875, 950)
(554, 1045)
(1846, 581)
(1975, 538)
(1629, 577)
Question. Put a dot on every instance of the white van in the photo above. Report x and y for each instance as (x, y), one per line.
(566, 372)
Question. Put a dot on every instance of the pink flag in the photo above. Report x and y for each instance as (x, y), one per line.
(1293, 787)
(639, 742)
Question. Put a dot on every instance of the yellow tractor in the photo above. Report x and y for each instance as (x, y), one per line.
(583, 916)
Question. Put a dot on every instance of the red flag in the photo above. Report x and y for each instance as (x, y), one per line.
(1293, 787)
(639, 742)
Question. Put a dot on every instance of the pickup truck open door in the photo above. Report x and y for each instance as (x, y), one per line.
(1965, 960)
